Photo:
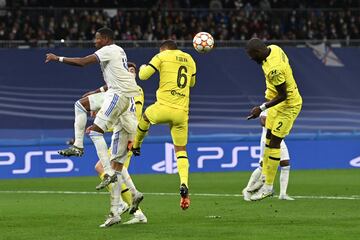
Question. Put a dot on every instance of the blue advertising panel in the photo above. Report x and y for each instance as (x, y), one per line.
(43, 161)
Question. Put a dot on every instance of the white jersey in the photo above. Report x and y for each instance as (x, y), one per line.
(113, 62)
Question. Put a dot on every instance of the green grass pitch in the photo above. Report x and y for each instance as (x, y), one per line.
(328, 207)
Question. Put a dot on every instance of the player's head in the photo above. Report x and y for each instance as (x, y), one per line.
(104, 36)
(257, 50)
(168, 45)
(132, 68)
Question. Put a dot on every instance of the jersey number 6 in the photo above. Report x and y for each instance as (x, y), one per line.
(182, 74)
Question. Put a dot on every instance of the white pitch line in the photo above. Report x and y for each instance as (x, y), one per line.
(352, 197)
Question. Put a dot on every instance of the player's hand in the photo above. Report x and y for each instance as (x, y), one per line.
(143, 65)
(93, 114)
(88, 129)
(254, 113)
(51, 57)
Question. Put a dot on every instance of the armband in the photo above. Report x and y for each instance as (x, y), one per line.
(263, 107)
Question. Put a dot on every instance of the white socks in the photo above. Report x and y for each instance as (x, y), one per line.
(284, 179)
(80, 124)
(128, 181)
(262, 143)
(254, 176)
(115, 195)
(102, 151)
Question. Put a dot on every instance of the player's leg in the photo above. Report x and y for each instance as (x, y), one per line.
(138, 216)
(82, 107)
(179, 134)
(115, 198)
(271, 163)
(255, 182)
(284, 172)
(142, 130)
(152, 115)
(100, 170)
(270, 153)
(97, 136)
(127, 133)
(257, 179)
(125, 194)
(119, 150)
(110, 111)
(282, 120)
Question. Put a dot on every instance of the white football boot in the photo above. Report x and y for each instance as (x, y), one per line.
(286, 197)
(111, 220)
(246, 194)
(264, 192)
(138, 217)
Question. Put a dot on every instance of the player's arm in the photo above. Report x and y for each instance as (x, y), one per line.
(101, 89)
(277, 78)
(79, 62)
(147, 70)
(280, 97)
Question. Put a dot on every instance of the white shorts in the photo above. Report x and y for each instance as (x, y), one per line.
(96, 100)
(113, 106)
(124, 133)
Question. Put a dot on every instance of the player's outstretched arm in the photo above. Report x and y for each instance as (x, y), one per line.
(280, 97)
(146, 71)
(79, 62)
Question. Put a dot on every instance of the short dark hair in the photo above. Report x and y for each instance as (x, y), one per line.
(106, 32)
(255, 44)
(131, 64)
(169, 44)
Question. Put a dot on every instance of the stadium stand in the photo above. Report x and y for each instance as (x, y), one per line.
(36, 24)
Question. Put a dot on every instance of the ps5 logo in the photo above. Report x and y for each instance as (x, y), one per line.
(355, 162)
(208, 154)
(169, 164)
(9, 158)
(217, 153)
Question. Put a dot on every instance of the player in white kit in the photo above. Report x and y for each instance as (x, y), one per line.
(257, 179)
(91, 103)
(117, 105)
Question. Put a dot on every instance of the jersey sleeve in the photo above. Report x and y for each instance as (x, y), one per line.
(155, 62)
(148, 70)
(276, 76)
(103, 54)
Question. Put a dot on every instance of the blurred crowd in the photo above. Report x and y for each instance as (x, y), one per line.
(225, 19)
(185, 3)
